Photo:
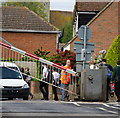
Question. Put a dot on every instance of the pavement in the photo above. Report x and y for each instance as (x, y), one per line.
(38, 108)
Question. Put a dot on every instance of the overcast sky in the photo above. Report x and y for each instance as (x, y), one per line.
(63, 5)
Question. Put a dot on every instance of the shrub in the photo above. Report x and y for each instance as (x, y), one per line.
(41, 53)
(62, 57)
(97, 58)
(113, 54)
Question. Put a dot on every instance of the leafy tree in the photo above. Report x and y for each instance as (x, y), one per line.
(68, 32)
(36, 7)
(113, 54)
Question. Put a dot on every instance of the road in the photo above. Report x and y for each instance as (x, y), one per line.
(38, 108)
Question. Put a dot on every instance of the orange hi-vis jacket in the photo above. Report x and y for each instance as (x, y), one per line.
(65, 77)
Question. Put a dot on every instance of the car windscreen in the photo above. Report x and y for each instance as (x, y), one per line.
(9, 73)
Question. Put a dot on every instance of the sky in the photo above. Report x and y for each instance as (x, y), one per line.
(62, 5)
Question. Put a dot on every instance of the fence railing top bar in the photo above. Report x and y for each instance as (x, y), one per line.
(37, 58)
(5, 45)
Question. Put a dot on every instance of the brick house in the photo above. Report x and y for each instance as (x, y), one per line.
(27, 31)
(104, 26)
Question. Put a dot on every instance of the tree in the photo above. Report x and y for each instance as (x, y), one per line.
(68, 32)
(113, 54)
(36, 7)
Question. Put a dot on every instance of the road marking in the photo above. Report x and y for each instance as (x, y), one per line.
(114, 103)
(111, 106)
(75, 103)
(90, 102)
(106, 110)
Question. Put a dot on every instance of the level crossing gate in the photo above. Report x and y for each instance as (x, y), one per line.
(24, 59)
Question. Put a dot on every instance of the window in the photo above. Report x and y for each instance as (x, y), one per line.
(83, 19)
(7, 73)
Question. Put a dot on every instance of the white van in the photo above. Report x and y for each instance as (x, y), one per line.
(11, 82)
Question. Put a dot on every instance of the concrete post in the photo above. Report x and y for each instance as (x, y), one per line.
(104, 83)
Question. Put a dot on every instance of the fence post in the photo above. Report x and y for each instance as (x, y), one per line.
(50, 92)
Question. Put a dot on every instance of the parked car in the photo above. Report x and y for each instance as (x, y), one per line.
(12, 84)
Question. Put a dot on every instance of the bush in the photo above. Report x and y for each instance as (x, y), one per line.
(113, 54)
(97, 58)
(41, 53)
(62, 57)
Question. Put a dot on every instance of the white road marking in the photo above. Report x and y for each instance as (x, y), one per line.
(111, 106)
(75, 103)
(114, 103)
(82, 102)
(90, 102)
(106, 110)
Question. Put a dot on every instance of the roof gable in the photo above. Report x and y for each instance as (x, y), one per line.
(24, 19)
(102, 10)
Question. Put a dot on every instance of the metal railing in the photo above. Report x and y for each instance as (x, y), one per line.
(26, 60)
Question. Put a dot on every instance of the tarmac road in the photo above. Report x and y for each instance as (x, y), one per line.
(38, 108)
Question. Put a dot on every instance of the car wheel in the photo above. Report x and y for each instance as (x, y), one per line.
(25, 98)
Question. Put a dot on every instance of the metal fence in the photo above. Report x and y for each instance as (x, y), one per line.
(24, 59)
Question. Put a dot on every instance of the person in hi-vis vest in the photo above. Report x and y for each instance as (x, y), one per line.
(65, 79)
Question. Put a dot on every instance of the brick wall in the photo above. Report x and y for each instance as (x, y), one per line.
(72, 44)
(30, 42)
(104, 29)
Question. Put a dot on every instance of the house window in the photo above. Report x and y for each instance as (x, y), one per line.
(85, 17)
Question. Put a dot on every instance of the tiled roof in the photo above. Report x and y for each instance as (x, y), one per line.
(81, 6)
(90, 6)
(21, 18)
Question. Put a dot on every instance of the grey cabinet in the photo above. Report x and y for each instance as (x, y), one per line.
(93, 84)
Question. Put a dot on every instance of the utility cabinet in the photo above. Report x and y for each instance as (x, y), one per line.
(93, 84)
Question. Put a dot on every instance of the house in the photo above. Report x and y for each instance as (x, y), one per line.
(84, 12)
(103, 24)
(26, 30)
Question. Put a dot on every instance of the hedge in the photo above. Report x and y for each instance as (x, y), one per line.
(113, 54)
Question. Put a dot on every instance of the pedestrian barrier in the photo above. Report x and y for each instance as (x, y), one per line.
(34, 63)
